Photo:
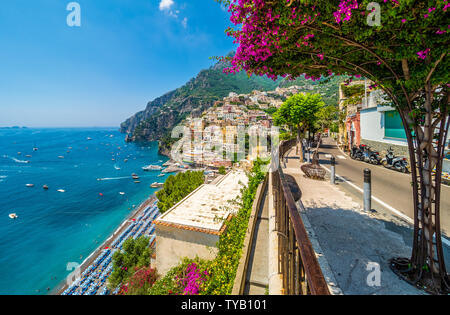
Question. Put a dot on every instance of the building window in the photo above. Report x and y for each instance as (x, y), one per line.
(393, 125)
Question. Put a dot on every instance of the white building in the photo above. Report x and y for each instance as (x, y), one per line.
(193, 227)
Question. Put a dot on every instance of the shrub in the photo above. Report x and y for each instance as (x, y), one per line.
(177, 187)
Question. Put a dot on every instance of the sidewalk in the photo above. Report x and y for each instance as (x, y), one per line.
(349, 240)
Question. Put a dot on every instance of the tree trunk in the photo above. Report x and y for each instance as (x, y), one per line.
(426, 268)
(300, 144)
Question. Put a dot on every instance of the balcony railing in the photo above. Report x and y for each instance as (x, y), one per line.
(298, 264)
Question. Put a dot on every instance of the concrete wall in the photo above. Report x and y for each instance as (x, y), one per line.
(372, 127)
(372, 134)
(174, 244)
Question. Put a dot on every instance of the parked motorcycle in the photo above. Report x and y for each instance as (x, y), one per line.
(356, 153)
(370, 156)
(395, 162)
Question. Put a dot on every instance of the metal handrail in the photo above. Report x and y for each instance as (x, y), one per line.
(297, 260)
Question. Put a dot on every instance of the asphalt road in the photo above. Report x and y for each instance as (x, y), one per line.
(391, 187)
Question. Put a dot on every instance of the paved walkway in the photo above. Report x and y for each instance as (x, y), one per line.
(257, 281)
(353, 243)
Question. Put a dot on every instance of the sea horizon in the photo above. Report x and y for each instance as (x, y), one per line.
(53, 228)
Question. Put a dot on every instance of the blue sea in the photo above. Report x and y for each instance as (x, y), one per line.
(56, 228)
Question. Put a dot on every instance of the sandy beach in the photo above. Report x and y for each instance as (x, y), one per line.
(125, 224)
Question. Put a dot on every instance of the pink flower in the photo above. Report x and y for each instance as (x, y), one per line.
(423, 54)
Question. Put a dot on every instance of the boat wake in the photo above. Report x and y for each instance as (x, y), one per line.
(113, 178)
(119, 178)
(15, 160)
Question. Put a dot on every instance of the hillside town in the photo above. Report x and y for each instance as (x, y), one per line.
(216, 133)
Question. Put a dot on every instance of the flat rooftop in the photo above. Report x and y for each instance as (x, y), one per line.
(207, 207)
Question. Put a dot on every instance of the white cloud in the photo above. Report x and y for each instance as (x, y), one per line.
(184, 22)
(165, 4)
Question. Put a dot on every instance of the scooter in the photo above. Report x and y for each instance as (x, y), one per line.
(395, 162)
(370, 156)
(356, 153)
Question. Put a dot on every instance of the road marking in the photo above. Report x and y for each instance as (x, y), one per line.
(397, 212)
(328, 156)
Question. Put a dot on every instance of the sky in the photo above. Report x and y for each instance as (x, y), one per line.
(60, 71)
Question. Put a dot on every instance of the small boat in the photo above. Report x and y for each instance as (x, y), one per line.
(29, 185)
(161, 175)
(126, 160)
(28, 156)
(89, 138)
(121, 193)
(136, 182)
(35, 149)
(135, 176)
(19, 153)
(152, 168)
(45, 187)
(13, 216)
(61, 190)
(156, 185)
(60, 157)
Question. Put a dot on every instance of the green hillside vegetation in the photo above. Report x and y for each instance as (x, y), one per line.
(327, 88)
(177, 187)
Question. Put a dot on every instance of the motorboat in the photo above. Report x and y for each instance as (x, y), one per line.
(45, 187)
(156, 185)
(29, 185)
(152, 168)
(61, 190)
(121, 193)
(13, 216)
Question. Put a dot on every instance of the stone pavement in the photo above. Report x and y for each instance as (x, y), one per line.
(351, 244)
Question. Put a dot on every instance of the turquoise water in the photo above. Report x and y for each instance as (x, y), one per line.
(55, 228)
